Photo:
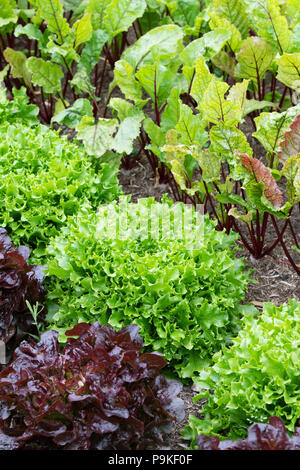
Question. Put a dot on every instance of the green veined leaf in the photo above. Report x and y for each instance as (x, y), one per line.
(289, 70)
(97, 8)
(262, 174)
(45, 74)
(210, 164)
(157, 137)
(246, 218)
(234, 11)
(157, 80)
(225, 140)
(123, 108)
(216, 108)
(124, 78)
(293, 11)
(207, 46)
(52, 12)
(176, 157)
(32, 32)
(120, 14)
(237, 94)
(270, 24)
(254, 59)
(190, 127)
(290, 145)
(224, 62)
(72, 5)
(72, 116)
(17, 61)
(185, 12)
(221, 22)
(97, 138)
(171, 114)
(165, 40)
(253, 105)
(201, 80)
(129, 130)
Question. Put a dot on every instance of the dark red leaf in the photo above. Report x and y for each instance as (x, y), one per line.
(99, 392)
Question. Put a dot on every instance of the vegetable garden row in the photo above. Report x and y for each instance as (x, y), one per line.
(108, 307)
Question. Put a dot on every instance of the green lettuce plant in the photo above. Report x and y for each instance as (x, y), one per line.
(184, 291)
(255, 378)
(44, 180)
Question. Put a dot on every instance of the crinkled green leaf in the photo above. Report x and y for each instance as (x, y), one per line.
(45, 178)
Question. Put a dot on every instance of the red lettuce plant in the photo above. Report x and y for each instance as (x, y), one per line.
(19, 282)
(100, 392)
(271, 436)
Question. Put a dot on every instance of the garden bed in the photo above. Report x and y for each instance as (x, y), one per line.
(120, 301)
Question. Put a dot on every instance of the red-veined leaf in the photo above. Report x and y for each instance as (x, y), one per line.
(262, 174)
(290, 145)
